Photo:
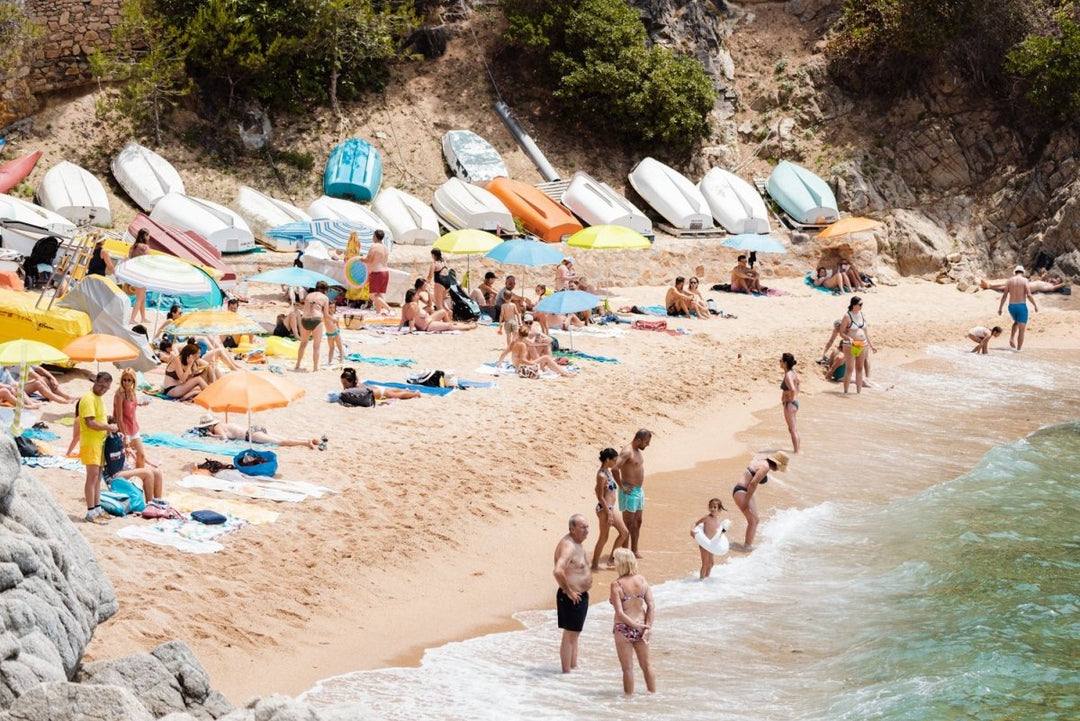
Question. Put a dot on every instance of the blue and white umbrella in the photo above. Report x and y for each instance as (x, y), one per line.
(334, 233)
(294, 276)
(754, 242)
(531, 253)
(568, 301)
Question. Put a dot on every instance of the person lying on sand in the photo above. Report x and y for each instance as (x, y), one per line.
(1035, 286)
(836, 282)
(210, 427)
(743, 278)
(348, 380)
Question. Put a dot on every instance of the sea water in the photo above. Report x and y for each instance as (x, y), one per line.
(934, 574)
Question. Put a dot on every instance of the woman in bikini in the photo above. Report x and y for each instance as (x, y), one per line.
(210, 427)
(756, 474)
(634, 610)
(416, 318)
(789, 398)
(605, 509)
(439, 277)
(182, 379)
(836, 282)
(856, 344)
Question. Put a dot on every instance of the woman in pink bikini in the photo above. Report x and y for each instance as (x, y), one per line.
(634, 610)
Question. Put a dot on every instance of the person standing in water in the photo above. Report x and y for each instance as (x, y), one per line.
(756, 474)
(1018, 292)
(632, 599)
(575, 579)
(629, 472)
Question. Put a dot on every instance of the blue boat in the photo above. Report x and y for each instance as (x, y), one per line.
(353, 171)
(802, 195)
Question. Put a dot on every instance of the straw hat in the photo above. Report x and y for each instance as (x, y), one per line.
(205, 420)
(780, 459)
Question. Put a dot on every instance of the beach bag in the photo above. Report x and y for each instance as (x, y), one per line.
(114, 454)
(464, 307)
(158, 512)
(360, 396)
(115, 504)
(432, 379)
(649, 325)
(210, 518)
(135, 497)
(26, 447)
(256, 463)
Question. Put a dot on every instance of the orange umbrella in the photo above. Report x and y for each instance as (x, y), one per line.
(99, 347)
(249, 392)
(847, 226)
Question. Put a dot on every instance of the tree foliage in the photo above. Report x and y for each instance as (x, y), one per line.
(17, 35)
(1048, 64)
(596, 55)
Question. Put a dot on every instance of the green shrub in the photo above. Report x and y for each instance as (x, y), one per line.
(1049, 66)
(17, 35)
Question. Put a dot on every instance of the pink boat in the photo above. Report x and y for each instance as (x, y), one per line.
(13, 173)
(183, 244)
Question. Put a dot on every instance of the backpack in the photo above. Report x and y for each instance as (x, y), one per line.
(115, 504)
(359, 396)
(27, 448)
(114, 455)
(136, 499)
(432, 379)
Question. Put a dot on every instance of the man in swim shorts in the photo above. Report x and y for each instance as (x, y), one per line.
(679, 301)
(378, 273)
(743, 278)
(311, 321)
(1018, 293)
(629, 473)
(574, 577)
(93, 428)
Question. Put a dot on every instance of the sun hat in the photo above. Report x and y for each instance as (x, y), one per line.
(206, 419)
(528, 317)
(780, 459)
(1018, 269)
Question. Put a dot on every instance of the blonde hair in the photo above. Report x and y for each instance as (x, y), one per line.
(625, 562)
(128, 373)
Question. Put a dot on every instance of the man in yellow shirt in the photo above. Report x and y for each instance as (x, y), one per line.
(93, 429)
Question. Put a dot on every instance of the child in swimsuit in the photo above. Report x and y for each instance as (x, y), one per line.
(333, 336)
(710, 524)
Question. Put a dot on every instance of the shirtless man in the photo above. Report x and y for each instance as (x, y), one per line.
(484, 295)
(378, 273)
(575, 579)
(1018, 293)
(679, 301)
(629, 473)
(312, 316)
(743, 278)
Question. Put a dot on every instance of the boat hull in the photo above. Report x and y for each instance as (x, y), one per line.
(145, 176)
(411, 220)
(186, 245)
(463, 205)
(22, 240)
(263, 212)
(220, 226)
(15, 171)
(598, 204)
(802, 195)
(539, 214)
(672, 195)
(472, 158)
(353, 171)
(76, 194)
(734, 203)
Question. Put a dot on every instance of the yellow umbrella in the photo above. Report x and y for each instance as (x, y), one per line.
(608, 237)
(468, 242)
(99, 347)
(25, 353)
(847, 226)
(214, 322)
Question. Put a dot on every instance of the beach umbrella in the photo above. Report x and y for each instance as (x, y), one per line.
(214, 322)
(467, 242)
(24, 353)
(332, 231)
(608, 237)
(847, 226)
(568, 301)
(164, 274)
(246, 391)
(292, 276)
(754, 243)
(97, 347)
(529, 253)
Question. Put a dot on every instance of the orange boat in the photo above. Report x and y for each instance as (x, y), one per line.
(539, 214)
(12, 173)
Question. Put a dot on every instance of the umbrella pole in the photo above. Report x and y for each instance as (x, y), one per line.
(250, 444)
(16, 418)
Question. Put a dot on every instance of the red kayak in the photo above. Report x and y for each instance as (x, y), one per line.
(187, 245)
(11, 174)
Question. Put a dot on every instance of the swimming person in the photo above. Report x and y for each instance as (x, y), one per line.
(1018, 293)
(605, 509)
(981, 335)
(634, 611)
(574, 577)
(789, 398)
(756, 474)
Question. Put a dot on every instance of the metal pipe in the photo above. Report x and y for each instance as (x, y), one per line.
(526, 143)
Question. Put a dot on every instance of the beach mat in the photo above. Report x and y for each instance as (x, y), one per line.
(425, 390)
(184, 535)
(379, 361)
(202, 445)
(259, 487)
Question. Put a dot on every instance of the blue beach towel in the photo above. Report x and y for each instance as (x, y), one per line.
(377, 361)
(584, 356)
(809, 280)
(426, 390)
(462, 383)
(194, 443)
(40, 434)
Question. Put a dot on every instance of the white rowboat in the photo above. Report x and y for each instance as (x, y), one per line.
(76, 194)
(145, 176)
(263, 212)
(598, 204)
(411, 220)
(671, 194)
(225, 230)
(735, 204)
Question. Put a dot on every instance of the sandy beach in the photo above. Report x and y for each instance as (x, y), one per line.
(448, 509)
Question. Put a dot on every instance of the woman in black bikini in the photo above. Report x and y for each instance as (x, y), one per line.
(789, 399)
(182, 379)
(756, 474)
(605, 509)
(634, 611)
(439, 277)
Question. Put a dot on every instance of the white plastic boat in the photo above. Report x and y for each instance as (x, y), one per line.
(671, 194)
(411, 220)
(225, 230)
(598, 204)
(327, 207)
(463, 205)
(76, 194)
(317, 257)
(25, 223)
(737, 207)
(145, 176)
(472, 158)
(263, 212)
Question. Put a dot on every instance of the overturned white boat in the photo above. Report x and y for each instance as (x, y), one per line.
(222, 227)
(23, 223)
(472, 158)
(76, 194)
(463, 205)
(263, 212)
(598, 204)
(145, 176)
(735, 204)
(339, 209)
(671, 194)
(411, 220)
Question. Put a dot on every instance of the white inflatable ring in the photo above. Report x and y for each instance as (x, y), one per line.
(718, 544)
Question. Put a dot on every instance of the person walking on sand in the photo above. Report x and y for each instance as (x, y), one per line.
(980, 335)
(1018, 292)
(856, 344)
(93, 428)
(756, 474)
(312, 316)
(605, 509)
(710, 526)
(789, 399)
(378, 272)
(634, 607)
(574, 577)
(629, 472)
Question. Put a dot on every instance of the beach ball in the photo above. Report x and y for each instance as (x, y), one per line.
(355, 272)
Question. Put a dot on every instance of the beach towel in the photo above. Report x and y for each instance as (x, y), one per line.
(40, 434)
(184, 535)
(163, 396)
(593, 331)
(809, 280)
(505, 369)
(378, 361)
(394, 330)
(462, 383)
(658, 311)
(426, 390)
(186, 502)
(67, 464)
(659, 326)
(576, 354)
(196, 443)
(261, 487)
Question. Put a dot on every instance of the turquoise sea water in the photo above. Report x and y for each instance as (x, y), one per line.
(939, 580)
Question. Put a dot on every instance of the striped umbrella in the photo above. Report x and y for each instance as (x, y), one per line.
(214, 322)
(333, 232)
(292, 276)
(164, 274)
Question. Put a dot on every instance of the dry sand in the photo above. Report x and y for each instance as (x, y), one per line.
(450, 508)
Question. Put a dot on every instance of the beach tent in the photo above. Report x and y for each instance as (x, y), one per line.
(107, 308)
(20, 318)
